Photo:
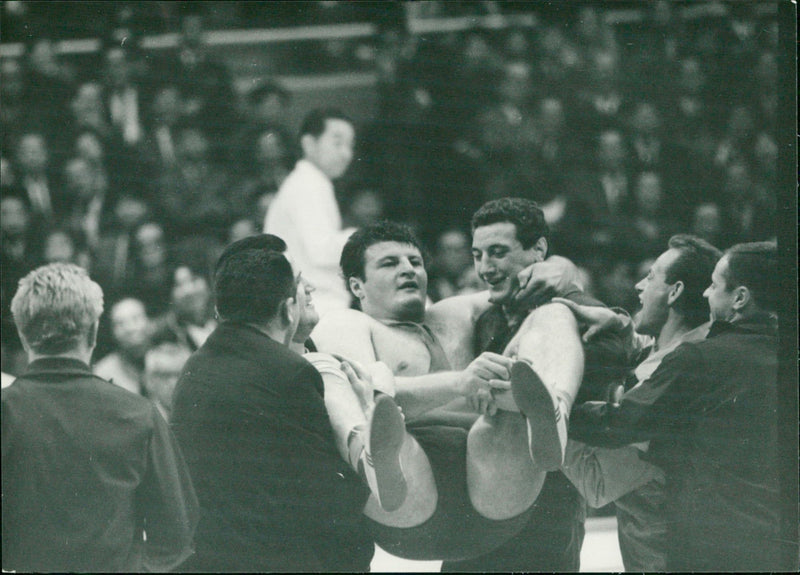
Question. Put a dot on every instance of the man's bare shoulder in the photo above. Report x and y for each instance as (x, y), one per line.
(345, 316)
(458, 309)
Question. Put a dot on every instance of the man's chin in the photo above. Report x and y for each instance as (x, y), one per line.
(413, 309)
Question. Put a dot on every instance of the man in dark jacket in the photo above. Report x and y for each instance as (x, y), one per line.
(88, 467)
(710, 411)
(250, 416)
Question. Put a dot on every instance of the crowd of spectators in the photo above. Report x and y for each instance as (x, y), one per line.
(143, 166)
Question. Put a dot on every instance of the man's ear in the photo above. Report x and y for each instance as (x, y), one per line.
(540, 247)
(741, 298)
(286, 311)
(675, 292)
(91, 340)
(356, 287)
(25, 345)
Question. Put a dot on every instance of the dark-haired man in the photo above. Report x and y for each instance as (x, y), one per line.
(251, 418)
(510, 234)
(305, 212)
(673, 312)
(709, 411)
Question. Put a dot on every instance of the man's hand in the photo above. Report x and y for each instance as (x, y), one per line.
(486, 372)
(595, 319)
(540, 282)
(364, 381)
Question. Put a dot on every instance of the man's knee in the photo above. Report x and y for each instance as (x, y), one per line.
(551, 316)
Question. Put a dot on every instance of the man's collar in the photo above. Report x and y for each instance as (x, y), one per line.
(56, 365)
(309, 166)
(761, 323)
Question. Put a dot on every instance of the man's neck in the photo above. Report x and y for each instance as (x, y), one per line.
(274, 332)
(83, 355)
(515, 313)
(675, 328)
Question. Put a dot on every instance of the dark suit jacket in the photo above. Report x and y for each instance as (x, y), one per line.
(709, 410)
(87, 467)
(274, 492)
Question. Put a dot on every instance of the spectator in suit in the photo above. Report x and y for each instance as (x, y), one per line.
(190, 318)
(250, 415)
(162, 368)
(34, 175)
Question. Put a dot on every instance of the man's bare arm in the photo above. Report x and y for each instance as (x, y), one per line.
(348, 333)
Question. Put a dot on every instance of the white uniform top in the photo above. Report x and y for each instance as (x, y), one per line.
(306, 216)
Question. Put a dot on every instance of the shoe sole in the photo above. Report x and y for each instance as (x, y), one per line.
(534, 400)
(386, 436)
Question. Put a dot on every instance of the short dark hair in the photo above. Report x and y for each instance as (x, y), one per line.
(315, 121)
(525, 214)
(693, 267)
(250, 284)
(266, 242)
(352, 260)
(755, 266)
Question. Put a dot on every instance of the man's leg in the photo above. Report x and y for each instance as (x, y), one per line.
(375, 441)
(507, 454)
(551, 364)
(502, 479)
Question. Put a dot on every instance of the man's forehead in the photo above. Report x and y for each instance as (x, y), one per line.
(338, 126)
(721, 267)
(389, 248)
(498, 232)
(665, 260)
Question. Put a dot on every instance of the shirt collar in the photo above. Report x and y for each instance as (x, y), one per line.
(56, 365)
(310, 167)
(761, 323)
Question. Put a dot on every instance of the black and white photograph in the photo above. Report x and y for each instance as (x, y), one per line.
(399, 286)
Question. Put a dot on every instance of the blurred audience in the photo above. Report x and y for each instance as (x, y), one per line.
(624, 131)
(130, 332)
(162, 368)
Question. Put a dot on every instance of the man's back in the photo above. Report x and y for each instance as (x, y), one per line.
(275, 493)
(721, 457)
(85, 464)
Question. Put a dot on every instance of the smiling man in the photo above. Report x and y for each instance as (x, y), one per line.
(510, 234)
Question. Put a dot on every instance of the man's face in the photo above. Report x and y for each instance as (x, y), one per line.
(332, 151)
(395, 282)
(190, 296)
(129, 325)
(499, 257)
(308, 315)
(720, 296)
(653, 292)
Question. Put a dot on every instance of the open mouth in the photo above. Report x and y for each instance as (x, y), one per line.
(409, 285)
(494, 282)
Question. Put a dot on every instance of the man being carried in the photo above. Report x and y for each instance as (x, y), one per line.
(384, 267)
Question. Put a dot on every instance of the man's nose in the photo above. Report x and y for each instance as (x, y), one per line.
(484, 266)
(405, 266)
